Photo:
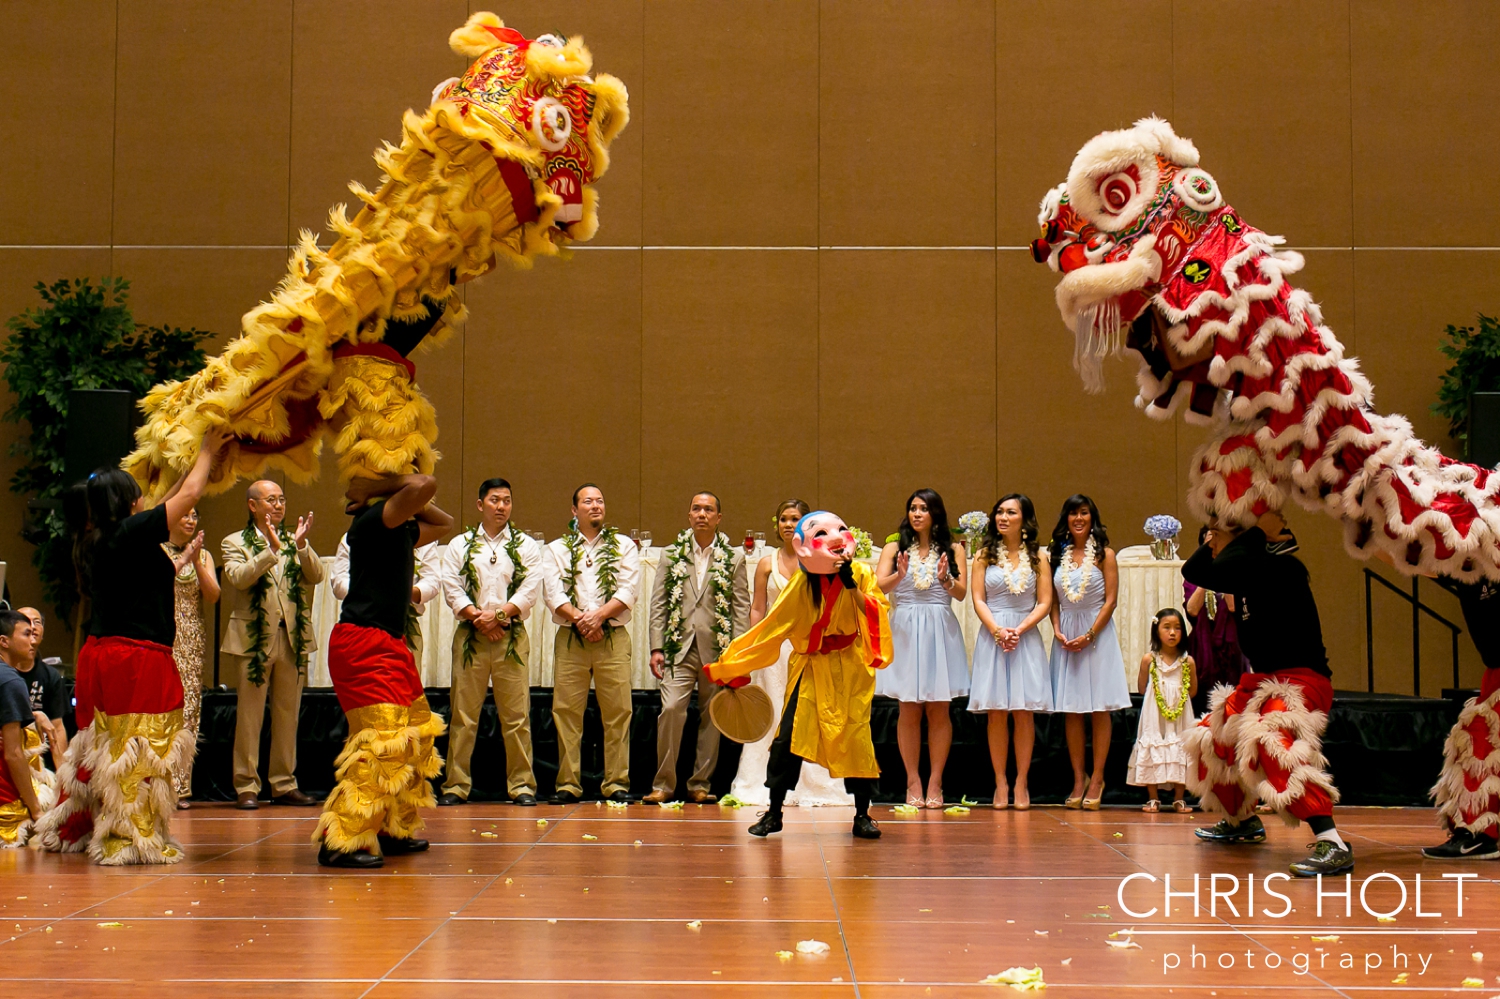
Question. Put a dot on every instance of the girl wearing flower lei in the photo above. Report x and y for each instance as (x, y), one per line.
(1169, 680)
(1011, 676)
(1088, 670)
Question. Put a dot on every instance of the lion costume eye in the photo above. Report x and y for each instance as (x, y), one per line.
(1118, 189)
(551, 123)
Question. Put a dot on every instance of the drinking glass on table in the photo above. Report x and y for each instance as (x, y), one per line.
(645, 539)
(760, 541)
(635, 536)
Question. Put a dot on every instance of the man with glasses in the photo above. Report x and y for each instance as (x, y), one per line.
(271, 574)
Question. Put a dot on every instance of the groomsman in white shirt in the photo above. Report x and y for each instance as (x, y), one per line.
(426, 584)
(492, 577)
(592, 581)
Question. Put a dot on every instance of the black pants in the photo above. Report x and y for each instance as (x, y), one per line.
(785, 767)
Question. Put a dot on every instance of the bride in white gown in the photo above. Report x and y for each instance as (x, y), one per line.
(816, 786)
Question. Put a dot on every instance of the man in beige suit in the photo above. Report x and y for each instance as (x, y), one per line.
(270, 574)
(700, 602)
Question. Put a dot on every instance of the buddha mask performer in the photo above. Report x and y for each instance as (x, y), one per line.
(499, 167)
(1154, 261)
(837, 620)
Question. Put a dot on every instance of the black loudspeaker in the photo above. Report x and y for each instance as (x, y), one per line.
(1484, 429)
(101, 431)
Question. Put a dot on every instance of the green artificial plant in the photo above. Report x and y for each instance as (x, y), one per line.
(81, 337)
(1475, 353)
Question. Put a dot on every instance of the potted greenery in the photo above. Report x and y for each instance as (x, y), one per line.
(1475, 353)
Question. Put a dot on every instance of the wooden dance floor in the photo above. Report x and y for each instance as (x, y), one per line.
(650, 902)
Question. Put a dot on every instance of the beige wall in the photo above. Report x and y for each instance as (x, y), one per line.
(816, 219)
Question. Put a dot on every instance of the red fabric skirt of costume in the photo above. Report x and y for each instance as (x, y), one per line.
(1467, 792)
(384, 768)
(1262, 741)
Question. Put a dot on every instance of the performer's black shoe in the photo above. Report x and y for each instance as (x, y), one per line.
(360, 860)
(393, 847)
(1327, 857)
(448, 798)
(1248, 831)
(865, 827)
(768, 823)
(564, 798)
(1464, 845)
(525, 800)
(620, 797)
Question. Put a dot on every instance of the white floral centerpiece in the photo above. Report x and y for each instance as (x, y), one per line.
(1163, 529)
(971, 525)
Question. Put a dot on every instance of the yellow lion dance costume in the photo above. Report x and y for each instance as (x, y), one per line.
(499, 167)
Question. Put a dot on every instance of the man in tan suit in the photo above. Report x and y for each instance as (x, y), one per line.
(700, 602)
(271, 574)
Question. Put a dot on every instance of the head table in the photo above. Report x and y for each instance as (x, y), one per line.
(1147, 585)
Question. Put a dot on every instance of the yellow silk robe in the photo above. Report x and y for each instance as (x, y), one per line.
(832, 725)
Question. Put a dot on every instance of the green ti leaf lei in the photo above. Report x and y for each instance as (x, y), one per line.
(470, 577)
(413, 630)
(1171, 714)
(292, 573)
(720, 577)
(607, 570)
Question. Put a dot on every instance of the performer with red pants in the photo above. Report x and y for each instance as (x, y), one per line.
(117, 794)
(1468, 789)
(1262, 740)
(384, 769)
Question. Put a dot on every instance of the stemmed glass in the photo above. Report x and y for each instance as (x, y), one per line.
(645, 539)
(760, 541)
(635, 536)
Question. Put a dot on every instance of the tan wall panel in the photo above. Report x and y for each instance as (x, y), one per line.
(907, 113)
(1404, 299)
(1426, 85)
(614, 34)
(57, 102)
(341, 109)
(202, 122)
(729, 345)
(1248, 144)
(1048, 102)
(906, 394)
(552, 385)
(734, 161)
(20, 270)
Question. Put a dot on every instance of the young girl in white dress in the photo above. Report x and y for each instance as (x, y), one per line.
(925, 571)
(1012, 594)
(1169, 680)
(1088, 669)
(816, 786)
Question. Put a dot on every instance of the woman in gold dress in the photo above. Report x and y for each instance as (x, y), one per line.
(196, 587)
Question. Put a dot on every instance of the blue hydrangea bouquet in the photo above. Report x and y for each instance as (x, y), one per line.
(1163, 529)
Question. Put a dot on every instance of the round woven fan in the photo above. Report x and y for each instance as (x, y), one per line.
(744, 714)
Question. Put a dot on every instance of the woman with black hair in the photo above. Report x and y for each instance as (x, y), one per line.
(924, 570)
(1088, 669)
(1012, 594)
(128, 691)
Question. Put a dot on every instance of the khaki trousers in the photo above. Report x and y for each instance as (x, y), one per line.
(677, 683)
(512, 700)
(284, 685)
(608, 662)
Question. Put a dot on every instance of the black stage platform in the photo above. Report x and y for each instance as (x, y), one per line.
(1384, 749)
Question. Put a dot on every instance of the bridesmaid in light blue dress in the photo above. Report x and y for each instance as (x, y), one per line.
(1012, 594)
(1088, 670)
(929, 664)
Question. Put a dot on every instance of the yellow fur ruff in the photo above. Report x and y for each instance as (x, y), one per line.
(383, 779)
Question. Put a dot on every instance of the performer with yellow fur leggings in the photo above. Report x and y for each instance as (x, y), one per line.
(389, 758)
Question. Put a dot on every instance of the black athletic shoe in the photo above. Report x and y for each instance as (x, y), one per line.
(360, 860)
(620, 797)
(564, 798)
(448, 798)
(769, 822)
(393, 847)
(524, 800)
(1464, 845)
(865, 827)
(1327, 857)
(1223, 831)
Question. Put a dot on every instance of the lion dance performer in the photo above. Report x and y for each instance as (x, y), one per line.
(500, 167)
(1155, 262)
(1262, 740)
(388, 760)
(117, 792)
(838, 622)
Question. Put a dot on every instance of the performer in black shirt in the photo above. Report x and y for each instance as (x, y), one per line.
(384, 769)
(1262, 740)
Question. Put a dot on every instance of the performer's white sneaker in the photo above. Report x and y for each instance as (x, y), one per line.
(1327, 857)
(1464, 845)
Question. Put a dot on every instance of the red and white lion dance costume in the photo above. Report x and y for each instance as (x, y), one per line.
(1154, 261)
